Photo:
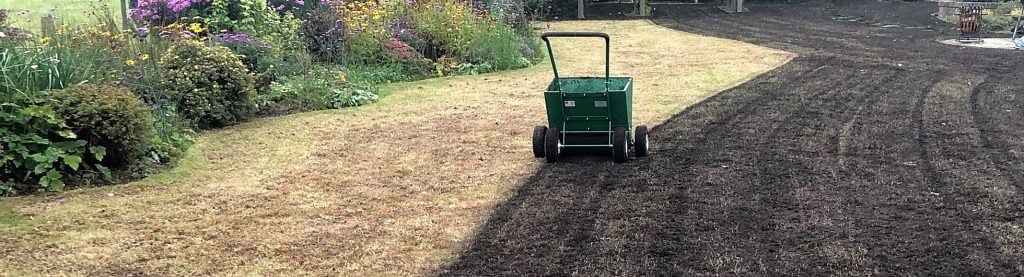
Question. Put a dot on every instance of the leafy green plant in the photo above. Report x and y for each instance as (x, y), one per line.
(257, 18)
(209, 85)
(501, 46)
(474, 69)
(317, 90)
(351, 97)
(171, 137)
(256, 54)
(107, 116)
(40, 149)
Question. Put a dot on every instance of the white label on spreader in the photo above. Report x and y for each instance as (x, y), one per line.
(600, 104)
(570, 103)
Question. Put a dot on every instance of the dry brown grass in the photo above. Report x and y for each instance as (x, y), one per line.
(395, 188)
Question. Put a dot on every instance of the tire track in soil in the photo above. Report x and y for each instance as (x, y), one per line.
(779, 159)
(741, 144)
(946, 139)
(993, 144)
(780, 176)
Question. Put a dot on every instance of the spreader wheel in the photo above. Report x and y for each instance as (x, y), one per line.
(620, 145)
(538, 141)
(641, 142)
(551, 149)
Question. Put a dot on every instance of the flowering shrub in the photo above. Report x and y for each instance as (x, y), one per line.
(299, 7)
(400, 51)
(210, 85)
(255, 53)
(448, 25)
(324, 33)
(403, 28)
(160, 12)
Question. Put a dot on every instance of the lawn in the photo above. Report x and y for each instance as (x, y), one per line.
(399, 187)
(68, 11)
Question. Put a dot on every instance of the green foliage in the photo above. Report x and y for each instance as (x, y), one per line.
(257, 55)
(502, 47)
(172, 135)
(29, 66)
(107, 116)
(39, 148)
(257, 18)
(210, 85)
(449, 25)
(317, 90)
(474, 69)
(1000, 19)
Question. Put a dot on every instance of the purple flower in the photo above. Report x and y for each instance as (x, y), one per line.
(241, 39)
(156, 10)
(142, 32)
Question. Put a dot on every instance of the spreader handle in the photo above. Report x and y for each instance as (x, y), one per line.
(607, 49)
(545, 36)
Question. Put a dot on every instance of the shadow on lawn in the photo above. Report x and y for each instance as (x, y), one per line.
(843, 161)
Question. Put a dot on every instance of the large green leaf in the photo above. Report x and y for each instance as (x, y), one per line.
(73, 161)
(106, 173)
(98, 152)
(67, 134)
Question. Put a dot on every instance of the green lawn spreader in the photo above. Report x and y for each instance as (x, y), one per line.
(592, 114)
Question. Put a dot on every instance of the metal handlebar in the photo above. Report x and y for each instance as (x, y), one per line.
(607, 48)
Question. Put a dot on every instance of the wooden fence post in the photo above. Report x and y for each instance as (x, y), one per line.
(48, 24)
(124, 14)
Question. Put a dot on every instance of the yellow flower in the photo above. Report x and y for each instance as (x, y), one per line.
(196, 28)
(129, 62)
(44, 40)
(144, 57)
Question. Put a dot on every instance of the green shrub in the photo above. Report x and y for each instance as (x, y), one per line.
(210, 85)
(319, 89)
(500, 46)
(448, 26)
(39, 148)
(256, 54)
(107, 116)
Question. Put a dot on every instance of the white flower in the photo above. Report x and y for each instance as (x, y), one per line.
(34, 66)
(2, 35)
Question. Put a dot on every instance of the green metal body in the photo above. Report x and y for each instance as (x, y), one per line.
(586, 110)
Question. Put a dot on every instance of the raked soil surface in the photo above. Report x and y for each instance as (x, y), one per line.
(877, 151)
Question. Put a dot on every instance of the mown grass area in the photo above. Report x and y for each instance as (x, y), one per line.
(28, 13)
(397, 188)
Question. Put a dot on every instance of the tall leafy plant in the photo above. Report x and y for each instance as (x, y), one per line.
(39, 148)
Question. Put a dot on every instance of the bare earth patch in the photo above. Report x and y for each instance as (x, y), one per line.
(399, 187)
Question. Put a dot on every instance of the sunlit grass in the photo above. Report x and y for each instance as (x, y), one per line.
(28, 13)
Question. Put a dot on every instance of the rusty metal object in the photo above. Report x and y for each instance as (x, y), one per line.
(970, 23)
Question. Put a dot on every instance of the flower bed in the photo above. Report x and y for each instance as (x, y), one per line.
(201, 64)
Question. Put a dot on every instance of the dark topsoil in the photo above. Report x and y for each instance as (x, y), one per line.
(877, 151)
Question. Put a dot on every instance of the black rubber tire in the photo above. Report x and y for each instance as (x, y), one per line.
(620, 145)
(642, 142)
(551, 150)
(538, 141)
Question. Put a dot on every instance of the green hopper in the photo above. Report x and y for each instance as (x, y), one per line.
(593, 114)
